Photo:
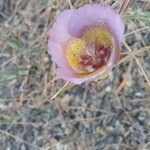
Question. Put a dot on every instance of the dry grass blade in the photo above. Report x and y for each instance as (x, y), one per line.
(91, 109)
(125, 5)
(137, 30)
(138, 63)
(106, 1)
(65, 87)
(19, 139)
(56, 122)
(127, 55)
(47, 86)
(112, 146)
(70, 4)
(115, 4)
(126, 78)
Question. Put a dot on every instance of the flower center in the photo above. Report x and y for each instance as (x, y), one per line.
(96, 59)
(91, 51)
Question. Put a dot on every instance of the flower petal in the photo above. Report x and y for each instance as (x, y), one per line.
(59, 31)
(57, 36)
(69, 76)
(90, 15)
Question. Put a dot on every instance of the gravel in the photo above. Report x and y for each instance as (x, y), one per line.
(86, 117)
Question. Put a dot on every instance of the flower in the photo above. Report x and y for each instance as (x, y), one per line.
(85, 43)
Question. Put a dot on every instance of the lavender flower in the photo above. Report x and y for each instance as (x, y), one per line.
(85, 43)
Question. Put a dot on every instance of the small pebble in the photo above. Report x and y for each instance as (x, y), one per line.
(108, 89)
(138, 94)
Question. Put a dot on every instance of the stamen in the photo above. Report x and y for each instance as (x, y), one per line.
(96, 61)
(86, 60)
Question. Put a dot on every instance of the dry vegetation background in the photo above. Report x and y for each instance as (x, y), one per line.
(113, 114)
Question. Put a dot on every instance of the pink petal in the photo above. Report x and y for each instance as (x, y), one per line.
(57, 36)
(97, 14)
(59, 31)
(69, 76)
(57, 53)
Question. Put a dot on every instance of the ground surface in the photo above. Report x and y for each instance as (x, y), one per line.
(113, 114)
